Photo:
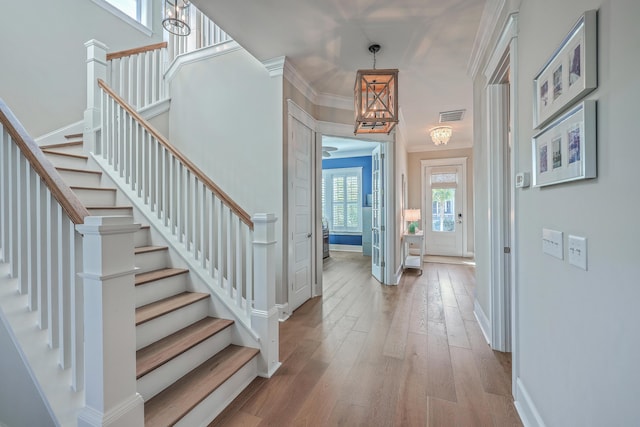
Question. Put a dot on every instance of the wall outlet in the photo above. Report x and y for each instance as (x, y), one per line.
(552, 243)
(577, 251)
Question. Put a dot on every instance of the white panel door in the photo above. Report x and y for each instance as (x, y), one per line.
(443, 210)
(301, 144)
(377, 214)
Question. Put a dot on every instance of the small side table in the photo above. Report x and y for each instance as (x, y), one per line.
(408, 260)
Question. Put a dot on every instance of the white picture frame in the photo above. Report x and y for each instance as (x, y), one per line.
(565, 150)
(569, 74)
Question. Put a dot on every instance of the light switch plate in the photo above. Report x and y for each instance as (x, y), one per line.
(552, 243)
(577, 251)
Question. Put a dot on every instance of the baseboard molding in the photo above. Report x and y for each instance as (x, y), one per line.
(56, 136)
(283, 311)
(526, 409)
(483, 321)
(345, 248)
(398, 276)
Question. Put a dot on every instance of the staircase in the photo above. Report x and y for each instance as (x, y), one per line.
(186, 365)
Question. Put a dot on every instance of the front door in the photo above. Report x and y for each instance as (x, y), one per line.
(377, 214)
(300, 257)
(444, 210)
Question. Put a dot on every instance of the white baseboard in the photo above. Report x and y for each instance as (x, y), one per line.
(283, 311)
(57, 136)
(345, 248)
(483, 321)
(398, 276)
(526, 409)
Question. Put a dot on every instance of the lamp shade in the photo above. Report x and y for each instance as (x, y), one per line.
(176, 17)
(412, 215)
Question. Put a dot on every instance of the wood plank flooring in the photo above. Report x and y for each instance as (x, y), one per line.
(364, 354)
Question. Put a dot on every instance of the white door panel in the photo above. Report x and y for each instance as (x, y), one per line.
(377, 214)
(443, 213)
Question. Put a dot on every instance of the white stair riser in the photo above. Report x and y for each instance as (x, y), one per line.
(67, 162)
(71, 149)
(160, 327)
(111, 212)
(162, 377)
(159, 289)
(217, 401)
(96, 197)
(80, 179)
(141, 237)
(150, 261)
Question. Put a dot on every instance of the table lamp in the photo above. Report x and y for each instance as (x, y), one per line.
(412, 216)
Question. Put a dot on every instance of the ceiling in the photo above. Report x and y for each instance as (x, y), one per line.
(326, 41)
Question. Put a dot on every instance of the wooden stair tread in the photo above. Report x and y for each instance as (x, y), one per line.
(156, 309)
(168, 348)
(177, 400)
(152, 276)
(79, 170)
(61, 145)
(147, 249)
(93, 188)
(74, 135)
(57, 153)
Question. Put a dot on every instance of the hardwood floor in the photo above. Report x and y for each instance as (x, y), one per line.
(364, 354)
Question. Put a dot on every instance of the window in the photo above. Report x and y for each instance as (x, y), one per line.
(342, 199)
(134, 12)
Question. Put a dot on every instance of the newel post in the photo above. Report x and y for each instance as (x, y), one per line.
(96, 69)
(264, 316)
(108, 269)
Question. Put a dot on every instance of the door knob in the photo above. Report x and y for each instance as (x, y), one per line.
(308, 235)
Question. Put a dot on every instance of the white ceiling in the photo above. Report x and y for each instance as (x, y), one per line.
(348, 147)
(429, 41)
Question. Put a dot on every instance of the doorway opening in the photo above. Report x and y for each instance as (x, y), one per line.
(351, 206)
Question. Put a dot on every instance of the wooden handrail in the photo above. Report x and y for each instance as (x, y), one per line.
(224, 197)
(134, 51)
(43, 167)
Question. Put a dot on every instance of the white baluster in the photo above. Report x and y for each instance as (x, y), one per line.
(32, 239)
(42, 234)
(52, 271)
(238, 244)
(230, 257)
(219, 239)
(64, 294)
(249, 270)
(77, 311)
(23, 273)
(4, 226)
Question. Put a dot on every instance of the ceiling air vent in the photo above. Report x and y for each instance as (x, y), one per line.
(451, 116)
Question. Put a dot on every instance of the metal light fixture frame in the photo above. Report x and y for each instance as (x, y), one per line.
(376, 98)
(176, 17)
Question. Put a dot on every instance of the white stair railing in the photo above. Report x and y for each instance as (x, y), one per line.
(38, 213)
(137, 74)
(211, 227)
(204, 33)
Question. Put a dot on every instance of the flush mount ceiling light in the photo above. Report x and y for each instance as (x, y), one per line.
(376, 98)
(176, 17)
(440, 135)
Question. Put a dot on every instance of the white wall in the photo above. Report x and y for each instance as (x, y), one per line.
(226, 117)
(43, 74)
(21, 405)
(578, 336)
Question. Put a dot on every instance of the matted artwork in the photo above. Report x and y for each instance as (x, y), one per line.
(566, 149)
(569, 74)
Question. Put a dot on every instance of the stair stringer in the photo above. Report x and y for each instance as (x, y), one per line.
(220, 305)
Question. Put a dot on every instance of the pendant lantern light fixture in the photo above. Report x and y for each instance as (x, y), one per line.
(176, 17)
(376, 98)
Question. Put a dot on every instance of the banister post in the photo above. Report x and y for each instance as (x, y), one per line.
(264, 315)
(96, 69)
(109, 324)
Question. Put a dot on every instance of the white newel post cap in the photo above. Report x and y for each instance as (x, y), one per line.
(96, 50)
(264, 230)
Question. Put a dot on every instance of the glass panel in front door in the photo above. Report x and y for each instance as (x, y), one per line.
(443, 209)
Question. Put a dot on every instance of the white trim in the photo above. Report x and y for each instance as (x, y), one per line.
(488, 23)
(509, 32)
(295, 78)
(155, 109)
(345, 248)
(483, 321)
(334, 101)
(55, 135)
(124, 412)
(301, 115)
(328, 173)
(199, 55)
(452, 161)
(275, 66)
(399, 273)
(143, 28)
(283, 311)
(526, 408)
(346, 131)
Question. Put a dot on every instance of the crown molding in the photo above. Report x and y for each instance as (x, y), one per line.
(334, 101)
(275, 66)
(199, 55)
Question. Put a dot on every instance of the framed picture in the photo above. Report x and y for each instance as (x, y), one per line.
(570, 73)
(566, 149)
